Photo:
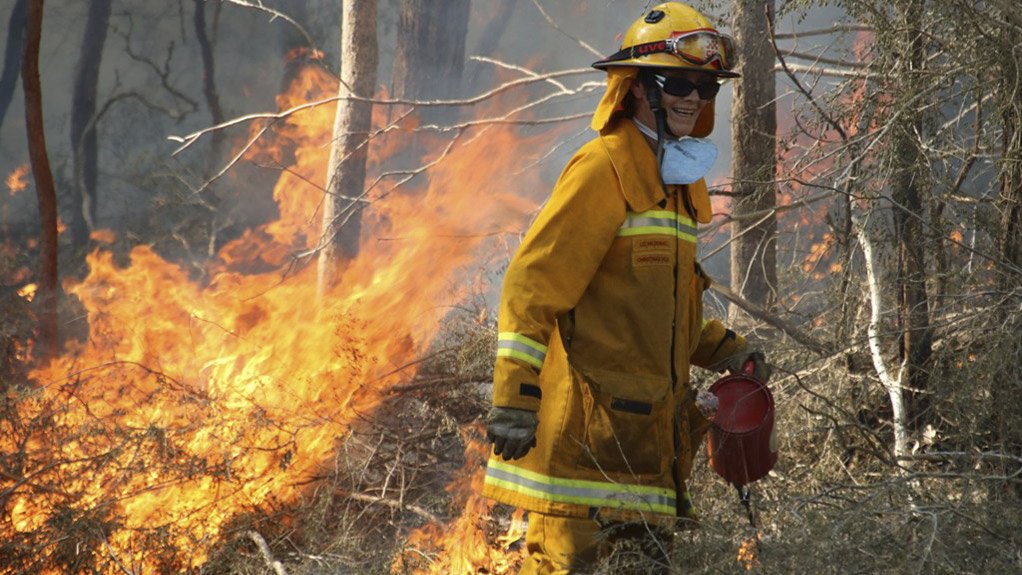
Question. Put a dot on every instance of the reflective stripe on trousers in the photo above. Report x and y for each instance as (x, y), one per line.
(590, 493)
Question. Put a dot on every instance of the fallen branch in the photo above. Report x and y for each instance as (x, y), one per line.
(377, 500)
(765, 316)
(264, 550)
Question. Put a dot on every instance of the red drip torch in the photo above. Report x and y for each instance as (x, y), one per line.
(741, 442)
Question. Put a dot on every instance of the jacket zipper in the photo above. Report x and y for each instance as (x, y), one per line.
(675, 418)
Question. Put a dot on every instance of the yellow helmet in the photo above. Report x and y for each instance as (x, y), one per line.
(674, 35)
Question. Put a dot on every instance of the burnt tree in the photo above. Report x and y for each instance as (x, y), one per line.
(46, 190)
(430, 59)
(753, 161)
(1007, 424)
(84, 146)
(352, 122)
(12, 57)
(209, 74)
(908, 182)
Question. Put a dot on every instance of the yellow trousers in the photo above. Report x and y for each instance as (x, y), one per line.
(570, 545)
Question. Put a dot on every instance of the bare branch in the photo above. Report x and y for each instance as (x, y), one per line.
(189, 139)
(729, 218)
(790, 69)
(258, 5)
(834, 72)
(825, 31)
(822, 60)
(551, 21)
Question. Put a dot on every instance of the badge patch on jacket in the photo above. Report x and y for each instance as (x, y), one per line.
(648, 252)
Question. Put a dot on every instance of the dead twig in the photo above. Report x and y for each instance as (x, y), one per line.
(432, 382)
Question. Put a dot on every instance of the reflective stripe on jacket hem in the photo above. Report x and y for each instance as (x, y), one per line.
(522, 348)
(573, 491)
(658, 222)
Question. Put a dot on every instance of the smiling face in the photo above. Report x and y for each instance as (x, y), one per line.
(682, 112)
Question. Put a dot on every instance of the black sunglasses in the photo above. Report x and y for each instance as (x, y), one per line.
(681, 87)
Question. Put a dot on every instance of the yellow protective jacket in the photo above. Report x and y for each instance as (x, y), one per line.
(600, 318)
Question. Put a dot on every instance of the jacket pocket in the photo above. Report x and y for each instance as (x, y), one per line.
(626, 426)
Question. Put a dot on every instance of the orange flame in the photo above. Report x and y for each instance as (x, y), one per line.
(103, 236)
(28, 292)
(748, 552)
(468, 545)
(17, 181)
(192, 403)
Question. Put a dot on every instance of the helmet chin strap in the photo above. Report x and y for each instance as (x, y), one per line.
(655, 99)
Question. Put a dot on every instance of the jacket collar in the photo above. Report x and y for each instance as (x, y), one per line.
(638, 175)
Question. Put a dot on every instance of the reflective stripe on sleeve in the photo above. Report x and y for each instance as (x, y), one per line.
(591, 493)
(522, 348)
(660, 222)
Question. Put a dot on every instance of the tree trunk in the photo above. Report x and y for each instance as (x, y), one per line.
(488, 41)
(430, 58)
(1010, 237)
(209, 79)
(346, 172)
(12, 57)
(84, 148)
(45, 188)
(908, 179)
(753, 163)
(1007, 429)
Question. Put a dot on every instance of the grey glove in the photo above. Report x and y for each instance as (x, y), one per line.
(736, 363)
(512, 431)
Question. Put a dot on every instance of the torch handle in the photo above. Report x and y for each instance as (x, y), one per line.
(749, 367)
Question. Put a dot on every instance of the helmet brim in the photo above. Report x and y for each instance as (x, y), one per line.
(604, 65)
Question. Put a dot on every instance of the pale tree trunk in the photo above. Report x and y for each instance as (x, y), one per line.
(753, 163)
(45, 188)
(12, 57)
(908, 180)
(346, 172)
(84, 146)
(893, 382)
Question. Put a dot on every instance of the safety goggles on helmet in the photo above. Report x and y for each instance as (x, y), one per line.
(682, 87)
(699, 47)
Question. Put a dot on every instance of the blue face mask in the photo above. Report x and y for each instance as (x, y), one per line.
(686, 160)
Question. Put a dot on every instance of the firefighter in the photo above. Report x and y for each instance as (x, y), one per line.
(594, 423)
